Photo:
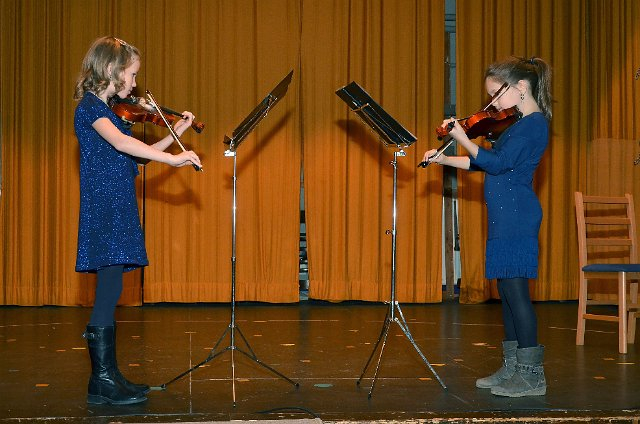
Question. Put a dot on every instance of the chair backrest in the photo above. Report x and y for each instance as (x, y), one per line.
(606, 229)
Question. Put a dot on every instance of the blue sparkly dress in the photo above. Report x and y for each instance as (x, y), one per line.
(109, 231)
(513, 210)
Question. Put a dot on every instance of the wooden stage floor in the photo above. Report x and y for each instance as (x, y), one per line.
(44, 365)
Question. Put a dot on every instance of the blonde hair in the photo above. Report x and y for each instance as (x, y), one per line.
(104, 52)
(534, 70)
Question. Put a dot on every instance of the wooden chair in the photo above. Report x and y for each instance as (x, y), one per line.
(607, 246)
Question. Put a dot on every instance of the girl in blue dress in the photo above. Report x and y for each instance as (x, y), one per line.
(514, 213)
(110, 239)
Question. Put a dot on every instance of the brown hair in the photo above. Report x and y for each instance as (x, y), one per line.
(534, 70)
(94, 75)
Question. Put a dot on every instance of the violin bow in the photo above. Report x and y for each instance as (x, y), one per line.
(503, 89)
(153, 102)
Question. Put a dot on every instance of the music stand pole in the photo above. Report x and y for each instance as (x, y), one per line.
(391, 133)
(393, 303)
(239, 134)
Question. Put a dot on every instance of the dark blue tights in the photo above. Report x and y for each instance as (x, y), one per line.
(518, 315)
(108, 291)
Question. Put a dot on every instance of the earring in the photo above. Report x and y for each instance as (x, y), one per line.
(522, 97)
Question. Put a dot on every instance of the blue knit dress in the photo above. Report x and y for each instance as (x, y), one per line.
(109, 231)
(514, 212)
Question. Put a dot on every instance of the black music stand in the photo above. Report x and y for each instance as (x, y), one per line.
(391, 134)
(239, 134)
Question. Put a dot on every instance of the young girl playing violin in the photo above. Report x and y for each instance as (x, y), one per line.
(110, 239)
(514, 213)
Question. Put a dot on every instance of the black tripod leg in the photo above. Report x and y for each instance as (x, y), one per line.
(405, 329)
(211, 357)
(385, 329)
(384, 343)
(254, 358)
(246, 343)
(262, 364)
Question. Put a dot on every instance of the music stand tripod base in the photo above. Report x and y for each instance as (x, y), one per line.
(239, 134)
(391, 134)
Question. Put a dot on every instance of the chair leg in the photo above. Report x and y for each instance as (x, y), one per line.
(582, 310)
(622, 312)
(631, 323)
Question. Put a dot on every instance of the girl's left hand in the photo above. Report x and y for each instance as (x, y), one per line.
(457, 131)
(183, 124)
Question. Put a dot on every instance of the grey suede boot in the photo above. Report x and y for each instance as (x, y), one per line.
(528, 380)
(506, 371)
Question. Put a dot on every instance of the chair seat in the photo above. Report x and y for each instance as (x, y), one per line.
(611, 268)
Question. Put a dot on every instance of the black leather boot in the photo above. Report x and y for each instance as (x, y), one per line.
(141, 389)
(103, 383)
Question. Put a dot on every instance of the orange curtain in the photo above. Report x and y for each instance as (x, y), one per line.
(217, 59)
(615, 43)
(42, 46)
(220, 58)
(394, 50)
(228, 58)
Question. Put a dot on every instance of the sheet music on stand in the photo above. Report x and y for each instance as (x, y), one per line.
(391, 133)
(258, 113)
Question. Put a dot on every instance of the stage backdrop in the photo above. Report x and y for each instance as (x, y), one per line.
(218, 59)
(395, 51)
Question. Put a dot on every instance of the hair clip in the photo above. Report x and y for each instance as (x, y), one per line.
(122, 42)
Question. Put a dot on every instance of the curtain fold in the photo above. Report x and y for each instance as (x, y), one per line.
(43, 44)
(394, 50)
(219, 65)
(231, 55)
(615, 112)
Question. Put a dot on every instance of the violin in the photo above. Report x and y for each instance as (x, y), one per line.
(136, 109)
(165, 119)
(488, 123)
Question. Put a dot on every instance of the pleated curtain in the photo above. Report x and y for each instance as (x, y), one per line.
(394, 51)
(218, 59)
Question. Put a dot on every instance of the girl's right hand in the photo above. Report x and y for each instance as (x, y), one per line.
(185, 158)
(431, 153)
